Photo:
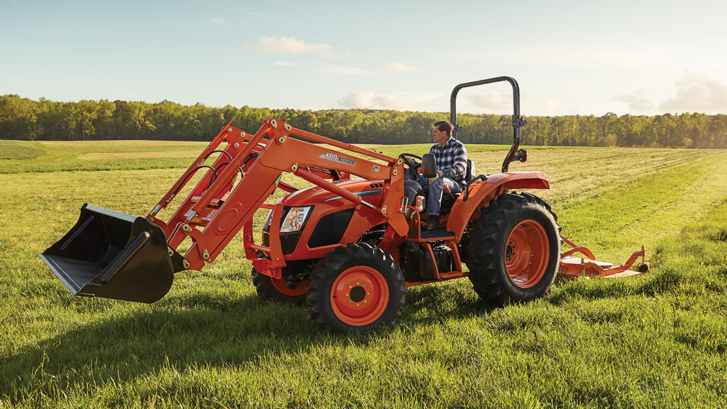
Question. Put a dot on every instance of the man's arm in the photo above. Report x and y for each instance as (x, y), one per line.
(459, 160)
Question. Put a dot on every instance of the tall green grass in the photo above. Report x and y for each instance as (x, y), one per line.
(656, 340)
(63, 157)
(20, 150)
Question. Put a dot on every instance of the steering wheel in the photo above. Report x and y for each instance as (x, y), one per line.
(410, 160)
(414, 162)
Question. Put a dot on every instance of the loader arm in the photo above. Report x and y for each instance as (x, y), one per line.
(212, 223)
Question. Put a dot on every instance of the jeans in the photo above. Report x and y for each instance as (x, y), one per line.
(434, 196)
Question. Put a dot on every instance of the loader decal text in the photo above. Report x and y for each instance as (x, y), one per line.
(336, 158)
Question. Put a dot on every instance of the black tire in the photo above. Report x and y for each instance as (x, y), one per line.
(275, 290)
(368, 282)
(509, 263)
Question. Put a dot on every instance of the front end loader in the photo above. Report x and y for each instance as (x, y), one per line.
(347, 247)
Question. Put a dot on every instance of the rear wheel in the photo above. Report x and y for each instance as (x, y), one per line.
(355, 288)
(514, 254)
(275, 289)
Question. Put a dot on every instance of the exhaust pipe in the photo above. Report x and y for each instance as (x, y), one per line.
(112, 255)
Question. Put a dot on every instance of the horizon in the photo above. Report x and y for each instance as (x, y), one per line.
(376, 109)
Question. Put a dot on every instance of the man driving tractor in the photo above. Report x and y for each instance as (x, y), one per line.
(451, 157)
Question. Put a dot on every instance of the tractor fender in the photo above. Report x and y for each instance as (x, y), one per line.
(482, 193)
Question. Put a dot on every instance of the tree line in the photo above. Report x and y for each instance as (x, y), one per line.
(26, 119)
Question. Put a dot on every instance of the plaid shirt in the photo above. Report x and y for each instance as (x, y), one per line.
(451, 159)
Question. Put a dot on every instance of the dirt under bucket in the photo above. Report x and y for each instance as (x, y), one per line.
(112, 255)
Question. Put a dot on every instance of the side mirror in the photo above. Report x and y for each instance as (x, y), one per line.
(429, 166)
(520, 155)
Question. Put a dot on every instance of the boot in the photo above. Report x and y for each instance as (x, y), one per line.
(431, 223)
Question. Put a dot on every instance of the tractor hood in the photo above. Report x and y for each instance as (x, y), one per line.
(314, 195)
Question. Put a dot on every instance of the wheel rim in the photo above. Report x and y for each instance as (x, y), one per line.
(299, 289)
(359, 296)
(527, 254)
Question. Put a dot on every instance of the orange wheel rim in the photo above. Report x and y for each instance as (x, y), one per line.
(359, 296)
(299, 289)
(527, 254)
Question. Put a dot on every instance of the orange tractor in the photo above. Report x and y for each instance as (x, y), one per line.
(348, 246)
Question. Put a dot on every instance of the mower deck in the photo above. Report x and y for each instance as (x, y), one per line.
(574, 267)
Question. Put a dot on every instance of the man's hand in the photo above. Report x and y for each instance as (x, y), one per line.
(431, 180)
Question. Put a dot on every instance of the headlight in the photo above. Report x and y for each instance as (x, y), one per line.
(421, 204)
(295, 219)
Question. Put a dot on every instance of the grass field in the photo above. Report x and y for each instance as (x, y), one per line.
(657, 340)
(19, 150)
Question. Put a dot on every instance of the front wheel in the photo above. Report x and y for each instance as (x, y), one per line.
(514, 254)
(355, 288)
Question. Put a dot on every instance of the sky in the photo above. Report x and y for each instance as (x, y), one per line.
(569, 57)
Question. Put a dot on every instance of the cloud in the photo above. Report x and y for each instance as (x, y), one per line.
(697, 92)
(370, 100)
(289, 45)
(396, 67)
(399, 101)
(324, 68)
(12, 3)
(490, 100)
(636, 102)
(545, 105)
(216, 21)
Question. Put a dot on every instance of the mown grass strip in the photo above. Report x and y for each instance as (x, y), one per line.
(617, 221)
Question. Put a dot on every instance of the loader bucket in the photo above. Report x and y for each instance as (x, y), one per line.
(112, 255)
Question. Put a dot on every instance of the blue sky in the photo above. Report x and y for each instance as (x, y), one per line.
(569, 57)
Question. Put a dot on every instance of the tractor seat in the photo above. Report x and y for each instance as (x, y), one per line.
(448, 199)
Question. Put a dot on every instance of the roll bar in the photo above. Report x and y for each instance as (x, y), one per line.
(517, 121)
